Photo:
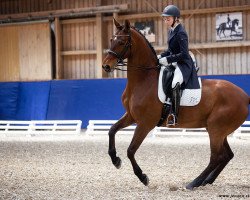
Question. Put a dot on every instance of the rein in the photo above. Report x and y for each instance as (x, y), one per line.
(135, 68)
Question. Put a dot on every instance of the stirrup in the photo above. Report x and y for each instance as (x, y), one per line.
(172, 121)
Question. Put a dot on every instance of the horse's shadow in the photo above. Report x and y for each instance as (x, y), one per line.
(237, 35)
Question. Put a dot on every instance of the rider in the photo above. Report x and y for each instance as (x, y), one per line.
(228, 21)
(185, 75)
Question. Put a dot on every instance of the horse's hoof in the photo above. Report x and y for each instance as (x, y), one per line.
(190, 186)
(145, 179)
(118, 163)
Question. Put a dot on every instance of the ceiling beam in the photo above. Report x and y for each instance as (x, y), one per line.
(65, 13)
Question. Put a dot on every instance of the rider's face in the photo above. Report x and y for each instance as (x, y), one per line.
(168, 21)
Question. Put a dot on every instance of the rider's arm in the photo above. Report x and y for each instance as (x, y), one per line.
(165, 53)
(183, 44)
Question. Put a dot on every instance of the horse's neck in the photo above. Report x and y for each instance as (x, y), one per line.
(141, 53)
(141, 58)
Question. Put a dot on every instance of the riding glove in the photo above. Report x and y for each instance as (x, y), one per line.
(163, 61)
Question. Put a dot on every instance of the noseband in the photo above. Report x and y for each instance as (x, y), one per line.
(120, 56)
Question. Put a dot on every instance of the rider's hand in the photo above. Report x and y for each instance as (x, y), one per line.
(158, 56)
(163, 61)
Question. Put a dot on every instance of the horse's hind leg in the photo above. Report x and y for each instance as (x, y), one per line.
(227, 156)
(125, 121)
(216, 158)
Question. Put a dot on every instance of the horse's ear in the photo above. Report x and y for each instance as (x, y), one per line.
(118, 26)
(127, 25)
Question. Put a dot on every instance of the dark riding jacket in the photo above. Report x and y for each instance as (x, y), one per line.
(178, 52)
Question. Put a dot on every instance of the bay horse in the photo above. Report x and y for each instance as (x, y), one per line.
(223, 26)
(222, 109)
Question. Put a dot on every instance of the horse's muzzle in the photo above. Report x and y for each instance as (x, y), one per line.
(106, 68)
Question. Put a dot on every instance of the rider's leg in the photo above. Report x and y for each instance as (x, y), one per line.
(175, 97)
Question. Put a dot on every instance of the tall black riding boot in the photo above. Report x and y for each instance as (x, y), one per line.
(176, 97)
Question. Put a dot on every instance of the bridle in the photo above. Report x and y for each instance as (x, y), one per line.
(120, 56)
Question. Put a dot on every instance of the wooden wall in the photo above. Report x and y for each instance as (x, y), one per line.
(25, 52)
(23, 6)
(78, 46)
(9, 54)
(137, 6)
(79, 50)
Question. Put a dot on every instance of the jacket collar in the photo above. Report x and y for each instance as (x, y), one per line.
(173, 31)
(173, 28)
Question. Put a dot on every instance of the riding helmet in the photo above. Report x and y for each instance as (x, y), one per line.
(171, 10)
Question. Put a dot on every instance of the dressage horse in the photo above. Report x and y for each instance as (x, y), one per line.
(222, 109)
(223, 26)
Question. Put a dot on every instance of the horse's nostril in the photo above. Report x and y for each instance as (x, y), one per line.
(107, 68)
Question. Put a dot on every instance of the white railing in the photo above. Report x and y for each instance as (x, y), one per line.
(243, 130)
(103, 126)
(41, 127)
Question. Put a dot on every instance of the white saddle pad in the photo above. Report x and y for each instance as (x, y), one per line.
(190, 97)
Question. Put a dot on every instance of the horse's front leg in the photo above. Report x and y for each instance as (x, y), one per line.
(232, 32)
(224, 33)
(125, 121)
(139, 135)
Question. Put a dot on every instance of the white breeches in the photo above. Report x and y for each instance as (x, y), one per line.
(178, 77)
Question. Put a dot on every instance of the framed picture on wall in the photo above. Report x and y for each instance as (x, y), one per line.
(147, 29)
(229, 26)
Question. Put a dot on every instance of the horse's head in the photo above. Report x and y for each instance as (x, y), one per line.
(235, 22)
(120, 47)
